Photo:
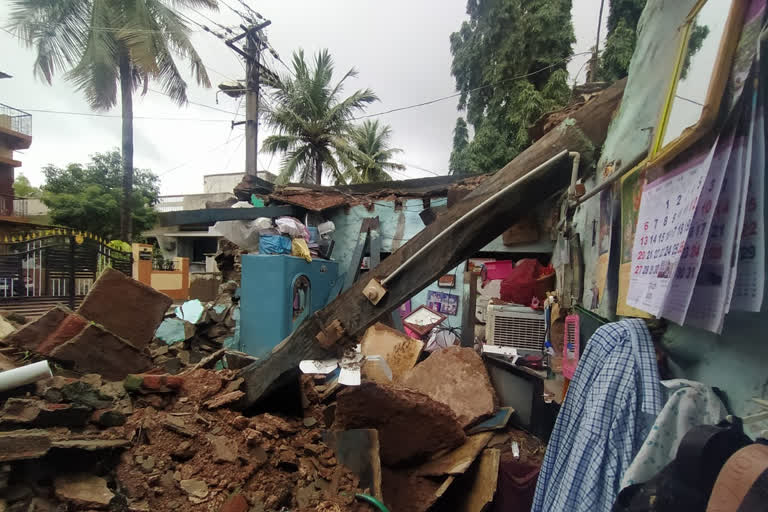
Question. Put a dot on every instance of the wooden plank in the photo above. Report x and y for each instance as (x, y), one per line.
(583, 132)
(358, 451)
(484, 480)
(456, 461)
(211, 215)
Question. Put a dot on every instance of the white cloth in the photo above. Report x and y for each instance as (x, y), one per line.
(689, 404)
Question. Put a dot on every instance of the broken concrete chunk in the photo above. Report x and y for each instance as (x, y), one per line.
(410, 424)
(98, 350)
(401, 352)
(91, 445)
(224, 399)
(455, 376)
(224, 449)
(195, 488)
(126, 307)
(33, 333)
(70, 327)
(83, 490)
(178, 425)
(23, 444)
(173, 330)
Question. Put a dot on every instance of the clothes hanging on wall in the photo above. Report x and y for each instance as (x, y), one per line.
(611, 406)
(689, 404)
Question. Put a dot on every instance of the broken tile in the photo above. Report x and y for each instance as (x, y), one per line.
(224, 449)
(455, 376)
(6, 328)
(410, 424)
(224, 399)
(126, 307)
(496, 422)
(195, 488)
(399, 350)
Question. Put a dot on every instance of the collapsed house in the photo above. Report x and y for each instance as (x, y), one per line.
(320, 379)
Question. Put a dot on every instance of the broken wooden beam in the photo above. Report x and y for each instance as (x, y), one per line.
(583, 132)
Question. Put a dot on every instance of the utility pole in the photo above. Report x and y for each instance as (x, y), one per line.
(253, 68)
(253, 49)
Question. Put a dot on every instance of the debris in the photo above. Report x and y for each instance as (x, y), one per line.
(83, 490)
(173, 330)
(358, 450)
(195, 488)
(35, 332)
(98, 350)
(457, 461)
(126, 307)
(410, 424)
(482, 484)
(496, 422)
(23, 444)
(224, 399)
(224, 450)
(191, 311)
(23, 412)
(6, 328)
(178, 425)
(400, 351)
(455, 376)
(91, 445)
(407, 492)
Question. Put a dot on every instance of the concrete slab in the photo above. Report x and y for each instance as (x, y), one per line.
(455, 376)
(400, 351)
(126, 307)
(29, 336)
(411, 425)
(456, 461)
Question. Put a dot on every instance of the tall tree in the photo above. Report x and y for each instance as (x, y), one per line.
(372, 155)
(623, 17)
(509, 62)
(459, 162)
(88, 197)
(106, 43)
(312, 119)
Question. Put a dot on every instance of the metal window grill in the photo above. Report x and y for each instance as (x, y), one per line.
(15, 119)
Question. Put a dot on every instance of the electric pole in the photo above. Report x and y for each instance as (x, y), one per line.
(253, 68)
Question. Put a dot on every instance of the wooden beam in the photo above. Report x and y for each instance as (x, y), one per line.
(211, 215)
(584, 132)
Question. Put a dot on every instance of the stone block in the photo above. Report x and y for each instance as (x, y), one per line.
(29, 336)
(70, 327)
(23, 412)
(455, 376)
(126, 307)
(98, 350)
(411, 425)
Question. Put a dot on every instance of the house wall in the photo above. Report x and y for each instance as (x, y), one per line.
(736, 360)
(396, 227)
(216, 183)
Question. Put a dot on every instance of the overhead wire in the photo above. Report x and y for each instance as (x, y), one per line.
(93, 114)
(443, 98)
(210, 150)
(194, 102)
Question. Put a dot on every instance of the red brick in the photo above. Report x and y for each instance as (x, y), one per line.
(236, 503)
(67, 329)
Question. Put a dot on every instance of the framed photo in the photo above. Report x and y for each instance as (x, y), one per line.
(447, 281)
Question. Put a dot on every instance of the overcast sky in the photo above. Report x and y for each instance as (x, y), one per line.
(400, 49)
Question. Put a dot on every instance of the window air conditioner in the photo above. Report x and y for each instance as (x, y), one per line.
(514, 326)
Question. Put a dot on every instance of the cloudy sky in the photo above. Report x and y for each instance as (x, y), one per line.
(400, 49)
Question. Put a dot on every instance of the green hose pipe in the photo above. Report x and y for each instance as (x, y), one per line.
(373, 501)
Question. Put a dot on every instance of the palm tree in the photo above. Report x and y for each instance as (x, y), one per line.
(372, 158)
(311, 120)
(103, 43)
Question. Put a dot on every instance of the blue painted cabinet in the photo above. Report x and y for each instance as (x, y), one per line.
(277, 293)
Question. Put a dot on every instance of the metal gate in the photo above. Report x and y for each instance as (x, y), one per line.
(39, 269)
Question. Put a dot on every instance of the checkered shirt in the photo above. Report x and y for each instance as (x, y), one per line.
(610, 406)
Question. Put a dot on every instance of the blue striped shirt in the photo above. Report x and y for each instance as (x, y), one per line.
(610, 407)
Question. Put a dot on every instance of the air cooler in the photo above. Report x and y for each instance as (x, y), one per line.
(513, 326)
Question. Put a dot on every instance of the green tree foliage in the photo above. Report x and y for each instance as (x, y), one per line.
(312, 120)
(695, 41)
(371, 158)
(88, 197)
(620, 40)
(23, 188)
(459, 162)
(509, 62)
(104, 44)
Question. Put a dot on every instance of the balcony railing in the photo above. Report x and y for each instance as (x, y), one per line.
(15, 119)
(11, 206)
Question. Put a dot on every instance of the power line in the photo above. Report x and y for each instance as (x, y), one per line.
(436, 100)
(166, 172)
(91, 114)
(420, 168)
(195, 103)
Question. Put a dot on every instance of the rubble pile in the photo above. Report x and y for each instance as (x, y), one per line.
(194, 331)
